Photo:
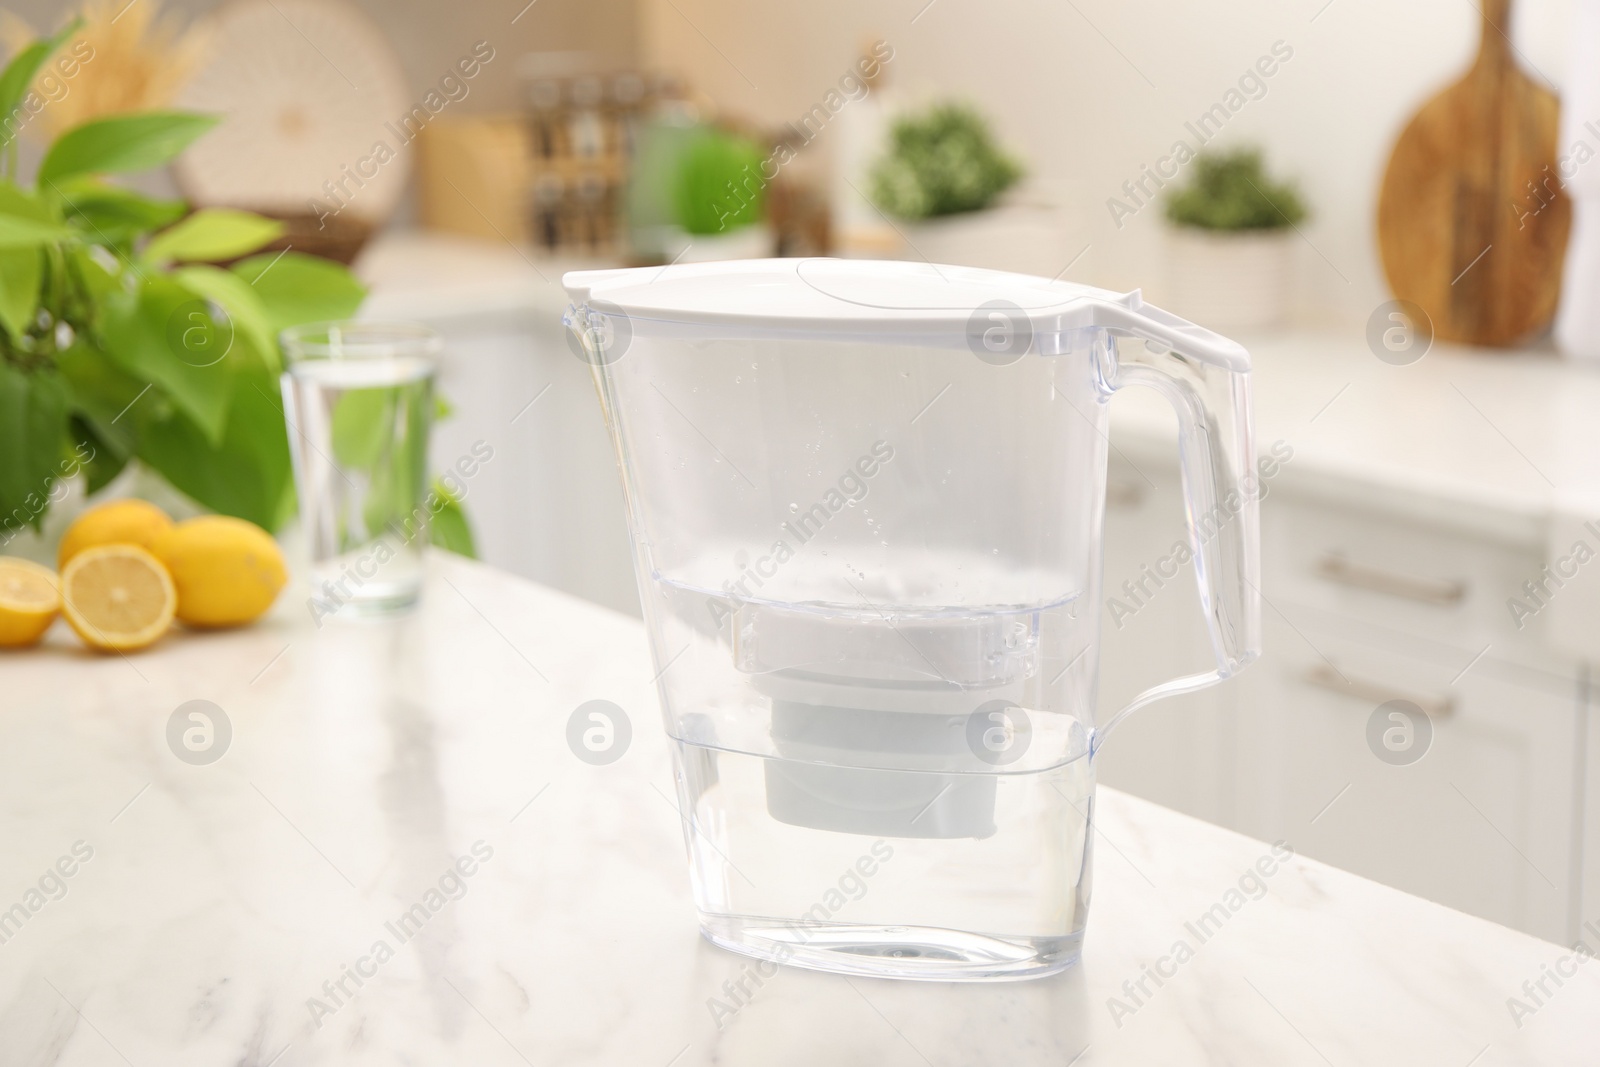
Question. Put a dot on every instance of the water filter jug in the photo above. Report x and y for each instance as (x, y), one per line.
(866, 502)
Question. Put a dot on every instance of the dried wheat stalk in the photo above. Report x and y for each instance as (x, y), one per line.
(140, 60)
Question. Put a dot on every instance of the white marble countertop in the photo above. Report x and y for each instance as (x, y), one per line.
(207, 905)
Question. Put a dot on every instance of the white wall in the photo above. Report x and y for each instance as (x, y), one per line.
(1066, 82)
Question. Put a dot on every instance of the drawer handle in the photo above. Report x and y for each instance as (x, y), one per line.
(1337, 568)
(1374, 693)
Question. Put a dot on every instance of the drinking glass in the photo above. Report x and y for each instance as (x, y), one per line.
(358, 398)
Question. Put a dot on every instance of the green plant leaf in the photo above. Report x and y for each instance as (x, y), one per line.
(18, 232)
(33, 428)
(363, 426)
(449, 528)
(102, 397)
(398, 496)
(213, 234)
(26, 221)
(165, 333)
(26, 224)
(110, 213)
(247, 472)
(1232, 191)
(20, 203)
(296, 288)
(21, 266)
(719, 184)
(21, 270)
(242, 304)
(410, 491)
(941, 162)
(122, 143)
(95, 277)
(100, 389)
(101, 454)
(22, 69)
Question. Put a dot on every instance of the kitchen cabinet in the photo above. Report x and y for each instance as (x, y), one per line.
(1361, 607)
(1482, 821)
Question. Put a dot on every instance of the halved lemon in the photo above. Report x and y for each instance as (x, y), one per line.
(30, 599)
(118, 597)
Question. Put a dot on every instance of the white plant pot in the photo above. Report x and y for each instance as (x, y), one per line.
(1229, 281)
(1025, 238)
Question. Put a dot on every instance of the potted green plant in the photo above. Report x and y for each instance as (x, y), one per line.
(695, 193)
(941, 180)
(1230, 241)
(719, 200)
(123, 336)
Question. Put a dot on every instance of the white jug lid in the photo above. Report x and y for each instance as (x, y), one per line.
(819, 293)
(881, 300)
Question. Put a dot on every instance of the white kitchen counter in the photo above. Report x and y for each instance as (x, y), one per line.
(367, 757)
(415, 274)
(1495, 442)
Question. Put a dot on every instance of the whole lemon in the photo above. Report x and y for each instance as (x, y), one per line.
(227, 571)
(121, 522)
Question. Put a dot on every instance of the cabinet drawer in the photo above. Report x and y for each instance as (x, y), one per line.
(1403, 576)
(1483, 821)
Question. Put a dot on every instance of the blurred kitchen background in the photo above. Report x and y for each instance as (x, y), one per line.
(1421, 484)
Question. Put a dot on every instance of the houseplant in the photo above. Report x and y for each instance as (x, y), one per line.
(719, 199)
(695, 193)
(1230, 241)
(122, 339)
(942, 162)
(941, 179)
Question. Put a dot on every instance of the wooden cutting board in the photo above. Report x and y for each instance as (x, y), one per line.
(1472, 222)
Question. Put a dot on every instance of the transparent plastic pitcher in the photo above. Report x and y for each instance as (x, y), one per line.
(866, 503)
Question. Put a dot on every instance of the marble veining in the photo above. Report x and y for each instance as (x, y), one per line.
(230, 913)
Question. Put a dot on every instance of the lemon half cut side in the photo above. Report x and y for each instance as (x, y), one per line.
(30, 599)
(118, 597)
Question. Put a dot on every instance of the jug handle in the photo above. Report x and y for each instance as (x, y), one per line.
(1206, 379)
